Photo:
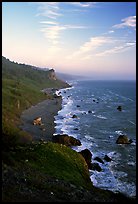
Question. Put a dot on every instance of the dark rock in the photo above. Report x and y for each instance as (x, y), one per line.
(119, 108)
(93, 100)
(99, 160)
(96, 167)
(87, 156)
(74, 116)
(75, 128)
(66, 140)
(106, 158)
(78, 105)
(130, 141)
(123, 139)
(89, 111)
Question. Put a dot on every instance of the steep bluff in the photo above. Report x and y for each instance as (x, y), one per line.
(52, 75)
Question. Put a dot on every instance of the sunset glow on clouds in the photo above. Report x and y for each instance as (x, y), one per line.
(85, 38)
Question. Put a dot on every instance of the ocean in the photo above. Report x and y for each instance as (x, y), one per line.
(98, 125)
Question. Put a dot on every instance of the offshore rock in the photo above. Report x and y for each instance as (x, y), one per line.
(87, 156)
(96, 167)
(66, 140)
(106, 158)
(123, 139)
(99, 160)
(119, 108)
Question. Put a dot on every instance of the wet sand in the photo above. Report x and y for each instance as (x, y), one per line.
(46, 109)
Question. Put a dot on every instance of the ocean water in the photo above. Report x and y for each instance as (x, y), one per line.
(98, 125)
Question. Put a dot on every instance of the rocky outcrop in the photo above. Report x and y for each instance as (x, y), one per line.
(96, 166)
(37, 121)
(123, 139)
(87, 156)
(99, 160)
(51, 74)
(74, 116)
(106, 158)
(66, 140)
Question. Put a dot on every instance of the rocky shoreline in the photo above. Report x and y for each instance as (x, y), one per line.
(43, 134)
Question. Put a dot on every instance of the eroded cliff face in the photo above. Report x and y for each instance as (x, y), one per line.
(52, 74)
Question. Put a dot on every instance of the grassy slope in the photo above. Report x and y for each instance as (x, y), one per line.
(32, 171)
(21, 85)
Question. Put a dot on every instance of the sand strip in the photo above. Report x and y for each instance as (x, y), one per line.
(46, 109)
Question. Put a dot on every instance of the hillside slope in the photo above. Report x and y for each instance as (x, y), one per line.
(39, 171)
(21, 88)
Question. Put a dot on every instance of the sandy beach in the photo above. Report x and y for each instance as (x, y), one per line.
(46, 109)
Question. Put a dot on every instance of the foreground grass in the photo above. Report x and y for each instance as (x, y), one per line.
(33, 164)
(50, 172)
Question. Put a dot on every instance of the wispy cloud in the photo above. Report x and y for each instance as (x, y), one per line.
(102, 46)
(52, 33)
(127, 22)
(91, 45)
(52, 30)
(51, 26)
(49, 22)
(83, 4)
(48, 9)
(117, 49)
(111, 31)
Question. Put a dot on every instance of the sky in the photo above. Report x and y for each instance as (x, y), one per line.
(94, 39)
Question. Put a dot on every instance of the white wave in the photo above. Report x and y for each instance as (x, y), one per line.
(127, 98)
(113, 154)
(132, 122)
(100, 116)
(85, 145)
(119, 132)
(108, 179)
(131, 163)
(88, 137)
(133, 143)
(111, 136)
(126, 188)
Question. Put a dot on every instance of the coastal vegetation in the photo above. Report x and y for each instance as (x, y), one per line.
(21, 88)
(39, 170)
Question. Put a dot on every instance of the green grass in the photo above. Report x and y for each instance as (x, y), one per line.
(21, 88)
(51, 159)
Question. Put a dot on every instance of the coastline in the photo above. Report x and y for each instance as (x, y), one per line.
(46, 109)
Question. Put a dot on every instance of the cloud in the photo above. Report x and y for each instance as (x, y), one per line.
(51, 27)
(53, 10)
(48, 9)
(49, 22)
(97, 47)
(117, 49)
(52, 33)
(52, 30)
(111, 31)
(84, 4)
(127, 22)
(91, 45)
